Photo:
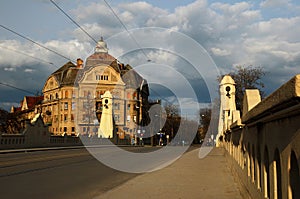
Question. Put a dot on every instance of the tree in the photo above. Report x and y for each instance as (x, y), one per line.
(9, 123)
(205, 119)
(246, 78)
(173, 119)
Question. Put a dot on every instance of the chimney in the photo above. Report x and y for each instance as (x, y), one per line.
(79, 63)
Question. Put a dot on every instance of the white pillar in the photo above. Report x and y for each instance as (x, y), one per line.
(227, 105)
(106, 121)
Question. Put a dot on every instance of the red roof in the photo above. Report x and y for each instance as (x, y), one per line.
(33, 100)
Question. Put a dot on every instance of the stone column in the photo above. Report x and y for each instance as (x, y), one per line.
(106, 121)
(227, 106)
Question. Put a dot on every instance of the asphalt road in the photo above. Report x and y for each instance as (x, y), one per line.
(72, 173)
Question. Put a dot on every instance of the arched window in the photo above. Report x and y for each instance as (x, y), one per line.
(258, 168)
(266, 174)
(253, 165)
(249, 160)
(294, 177)
(277, 175)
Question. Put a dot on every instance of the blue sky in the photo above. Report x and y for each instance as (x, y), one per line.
(258, 33)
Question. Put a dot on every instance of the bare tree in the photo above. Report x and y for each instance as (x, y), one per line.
(246, 78)
(9, 123)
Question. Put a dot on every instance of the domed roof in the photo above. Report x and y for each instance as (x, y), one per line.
(101, 47)
(227, 79)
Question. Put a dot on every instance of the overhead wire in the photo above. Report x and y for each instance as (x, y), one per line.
(39, 59)
(115, 14)
(59, 54)
(69, 17)
(36, 43)
(124, 26)
(135, 41)
(17, 88)
(40, 45)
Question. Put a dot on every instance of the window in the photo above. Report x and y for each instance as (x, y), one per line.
(72, 117)
(117, 118)
(66, 106)
(134, 95)
(116, 106)
(55, 118)
(65, 117)
(128, 107)
(65, 129)
(73, 129)
(66, 94)
(104, 77)
(128, 118)
(73, 106)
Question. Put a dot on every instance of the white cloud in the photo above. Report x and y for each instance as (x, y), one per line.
(29, 70)
(274, 3)
(9, 69)
(234, 33)
(229, 9)
(220, 52)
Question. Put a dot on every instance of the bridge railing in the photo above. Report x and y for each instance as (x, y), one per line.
(264, 144)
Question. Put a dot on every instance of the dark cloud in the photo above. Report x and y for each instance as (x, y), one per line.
(232, 33)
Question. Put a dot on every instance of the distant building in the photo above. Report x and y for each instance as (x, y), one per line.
(29, 107)
(72, 95)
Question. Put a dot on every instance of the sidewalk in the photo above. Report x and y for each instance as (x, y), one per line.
(189, 177)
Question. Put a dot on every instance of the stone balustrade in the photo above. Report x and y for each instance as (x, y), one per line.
(264, 144)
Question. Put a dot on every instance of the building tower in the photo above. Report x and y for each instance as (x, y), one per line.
(227, 106)
(106, 122)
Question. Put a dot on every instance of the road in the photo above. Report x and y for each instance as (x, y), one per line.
(72, 173)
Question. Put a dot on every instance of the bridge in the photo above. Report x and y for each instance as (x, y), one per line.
(256, 156)
(263, 144)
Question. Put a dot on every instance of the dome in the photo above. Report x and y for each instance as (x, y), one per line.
(101, 47)
(227, 79)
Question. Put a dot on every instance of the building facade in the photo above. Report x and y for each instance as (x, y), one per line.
(72, 102)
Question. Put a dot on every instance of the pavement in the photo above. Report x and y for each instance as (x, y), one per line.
(188, 177)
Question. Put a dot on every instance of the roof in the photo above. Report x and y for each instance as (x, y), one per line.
(227, 79)
(69, 74)
(99, 58)
(33, 100)
(66, 74)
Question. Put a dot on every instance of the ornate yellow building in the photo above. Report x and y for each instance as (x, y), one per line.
(72, 95)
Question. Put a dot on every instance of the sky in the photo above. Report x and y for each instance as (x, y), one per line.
(248, 33)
